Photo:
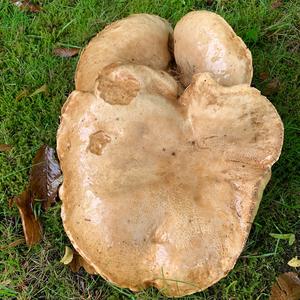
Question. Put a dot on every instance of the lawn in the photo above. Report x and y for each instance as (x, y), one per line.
(27, 62)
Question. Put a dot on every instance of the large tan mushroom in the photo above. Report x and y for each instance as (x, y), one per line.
(139, 39)
(205, 42)
(160, 192)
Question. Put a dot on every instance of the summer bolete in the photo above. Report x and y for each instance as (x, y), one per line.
(139, 39)
(205, 42)
(160, 191)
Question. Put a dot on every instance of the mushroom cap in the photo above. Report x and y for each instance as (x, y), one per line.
(139, 39)
(159, 192)
(205, 42)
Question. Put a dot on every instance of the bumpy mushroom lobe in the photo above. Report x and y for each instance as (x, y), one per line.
(170, 199)
(138, 39)
(205, 42)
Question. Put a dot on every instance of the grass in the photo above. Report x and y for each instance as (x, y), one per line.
(27, 63)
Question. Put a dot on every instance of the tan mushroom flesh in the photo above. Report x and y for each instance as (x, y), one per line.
(160, 192)
(205, 42)
(139, 39)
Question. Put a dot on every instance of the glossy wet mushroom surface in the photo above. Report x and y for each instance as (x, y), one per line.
(205, 42)
(161, 185)
(138, 39)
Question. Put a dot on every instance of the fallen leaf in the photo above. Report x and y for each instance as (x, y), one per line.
(65, 52)
(42, 89)
(68, 256)
(287, 236)
(276, 4)
(22, 94)
(45, 178)
(5, 147)
(31, 225)
(13, 244)
(294, 262)
(263, 76)
(76, 261)
(272, 87)
(28, 6)
(286, 287)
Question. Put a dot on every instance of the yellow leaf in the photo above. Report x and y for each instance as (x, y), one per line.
(22, 94)
(42, 89)
(294, 262)
(68, 257)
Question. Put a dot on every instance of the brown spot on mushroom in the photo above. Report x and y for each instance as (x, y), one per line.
(98, 141)
(119, 84)
(120, 90)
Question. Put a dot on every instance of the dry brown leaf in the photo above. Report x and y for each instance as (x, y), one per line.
(45, 178)
(28, 6)
(78, 262)
(286, 287)
(272, 87)
(276, 4)
(13, 244)
(31, 225)
(65, 52)
(263, 76)
(5, 147)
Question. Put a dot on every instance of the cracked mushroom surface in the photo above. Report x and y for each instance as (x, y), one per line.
(138, 39)
(160, 191)
(205, 42)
